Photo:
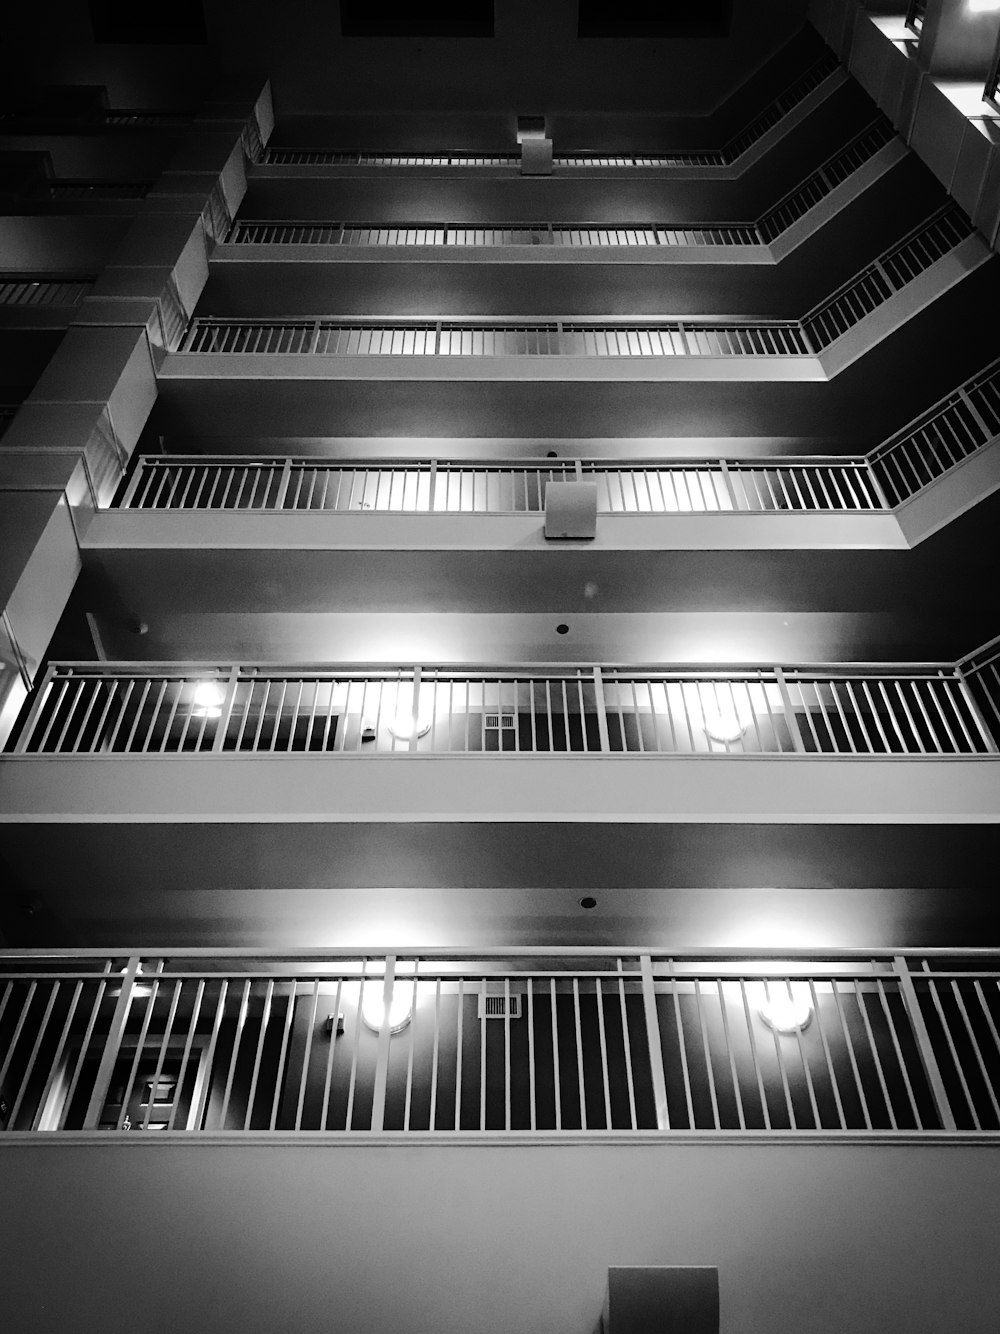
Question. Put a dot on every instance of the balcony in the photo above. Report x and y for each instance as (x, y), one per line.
(897, 495)
(546, 1042)
(796, 744)
(288, 375)
(40, 301)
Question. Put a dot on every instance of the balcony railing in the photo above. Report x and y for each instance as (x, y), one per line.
(453, 486)
(820, 327)
(941, 438)
(773, 113)
(23, 290)
(904, 711)
(546, 1041)
(888, 274)
(622, 235)
(481, 338)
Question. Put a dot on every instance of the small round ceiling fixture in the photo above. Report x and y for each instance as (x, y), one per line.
(562, 628)
(588, 902)
(786, 1008)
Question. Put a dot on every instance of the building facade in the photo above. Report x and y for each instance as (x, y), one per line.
(500, 696)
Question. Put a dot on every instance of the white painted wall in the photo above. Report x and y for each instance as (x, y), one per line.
(809, 1239)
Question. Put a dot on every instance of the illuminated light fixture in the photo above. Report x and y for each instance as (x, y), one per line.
(723, 725)
(376, 1013)
(786, 1008)
(983, 6)
(208, 699)
(409, 721)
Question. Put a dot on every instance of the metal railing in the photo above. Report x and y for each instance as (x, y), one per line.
(888, 274)
(532, 1040)
(18, 290)
(941, 438)
(792, 206)
(166, 709)
(452, 486)
(480, 338)
(953, 429)
(820, 327)
(772, 114)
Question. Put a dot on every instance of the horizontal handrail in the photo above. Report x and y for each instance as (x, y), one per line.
(908, 710)
(890, 272)
(772, 114)
(791, 206)
(501, 486)
(548, 1041)
(508, 337)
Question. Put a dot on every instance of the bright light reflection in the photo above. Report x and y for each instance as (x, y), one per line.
(374, 1011)
(786, 1007)
(983, 6)
(208, 699)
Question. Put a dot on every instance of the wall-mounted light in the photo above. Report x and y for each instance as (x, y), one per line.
(209, 697)
(376, 1013)
(723, 725)
(786, 1008)
(983, 6)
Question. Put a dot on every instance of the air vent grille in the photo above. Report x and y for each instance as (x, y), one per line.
(500, 720)
(493, 1004)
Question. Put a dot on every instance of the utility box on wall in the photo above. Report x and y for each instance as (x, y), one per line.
(571, 509)
(662, 1299)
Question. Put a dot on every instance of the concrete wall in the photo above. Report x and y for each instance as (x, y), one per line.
(823, 1238)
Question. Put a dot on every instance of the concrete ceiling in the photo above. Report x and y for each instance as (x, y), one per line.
(449, 885)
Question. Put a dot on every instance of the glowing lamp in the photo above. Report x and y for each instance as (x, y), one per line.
(208, 699)
(376, 1013)
(786, 1009)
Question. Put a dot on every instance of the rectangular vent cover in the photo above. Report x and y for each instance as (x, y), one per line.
(493, 1004)
(500, 720)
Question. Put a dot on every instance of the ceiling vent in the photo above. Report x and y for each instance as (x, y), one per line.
(493, 1004)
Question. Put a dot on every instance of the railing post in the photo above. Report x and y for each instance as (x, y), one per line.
(415, 711)
(286, 477)
(653, 1036)
(222, 727)
(786, 704)
(382, 1052)
(432, 496)
(878, 487)
(140, 474)
(112, 1045)
(36, 704)
(314, 346)
(976, 415)
(728, 483)
(578, 469)
(437, 338)
(927, 1057)
(600, 707)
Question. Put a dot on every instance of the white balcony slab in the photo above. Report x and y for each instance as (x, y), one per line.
(584, 789)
